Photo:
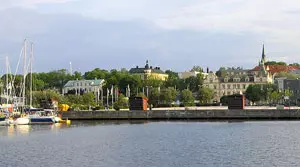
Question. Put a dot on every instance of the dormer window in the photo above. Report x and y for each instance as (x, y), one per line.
(247, 79)
(236, 79)
(226, 79)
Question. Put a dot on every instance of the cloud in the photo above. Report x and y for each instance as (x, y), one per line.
(4, 4)
(273, 20)
(173, 34)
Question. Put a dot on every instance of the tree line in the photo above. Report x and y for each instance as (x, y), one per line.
(159, 93)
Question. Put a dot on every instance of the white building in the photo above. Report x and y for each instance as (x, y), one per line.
(84, 86)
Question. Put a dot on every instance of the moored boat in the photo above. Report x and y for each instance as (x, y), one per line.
(22, 121)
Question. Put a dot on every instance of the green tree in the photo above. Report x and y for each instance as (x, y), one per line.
(255, 93)
(122, 102)
(205, 95)
(187, 98)
(173, 79)
(154, 97)
(197, 69)
(168, 95)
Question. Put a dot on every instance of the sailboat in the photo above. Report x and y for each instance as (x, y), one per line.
(23, 120)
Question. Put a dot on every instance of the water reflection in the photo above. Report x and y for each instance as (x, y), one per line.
(23, 130)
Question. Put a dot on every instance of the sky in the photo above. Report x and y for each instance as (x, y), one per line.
(172, 34)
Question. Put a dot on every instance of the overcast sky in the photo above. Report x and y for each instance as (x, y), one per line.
(173, 34)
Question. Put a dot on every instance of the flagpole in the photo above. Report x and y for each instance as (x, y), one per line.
(107, 94)
(112, 95)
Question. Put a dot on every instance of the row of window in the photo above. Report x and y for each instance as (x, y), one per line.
(85, 89)
(236, 79)
(82, 84)
(229, 86)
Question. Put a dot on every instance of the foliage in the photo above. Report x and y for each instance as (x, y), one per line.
(154, 97)
(205, 95)
(224, 100)
(254, 93)
(275, 63)
(168, 95)
(38, 96)
(196, 68)
(288, 75)
(194, 83)
(295, 64)
(187, 98)
(122, 103)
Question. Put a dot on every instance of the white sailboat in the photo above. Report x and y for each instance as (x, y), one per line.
(23, 120)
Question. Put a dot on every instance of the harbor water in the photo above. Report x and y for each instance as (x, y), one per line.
(152, 144)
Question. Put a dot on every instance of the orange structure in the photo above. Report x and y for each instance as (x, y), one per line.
(138, 103)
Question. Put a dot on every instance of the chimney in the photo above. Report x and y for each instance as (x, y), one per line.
(207, 70)
(137, 66)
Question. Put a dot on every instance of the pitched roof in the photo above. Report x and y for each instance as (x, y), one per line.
(95, 82)
(277, 68)
(141, 70)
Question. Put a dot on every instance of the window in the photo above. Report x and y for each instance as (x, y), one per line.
(244, 86)
(211, 80)
(228, 86)
(215, 86)
(223, 86)
(247, 79)
(234, 86)
(226, 79)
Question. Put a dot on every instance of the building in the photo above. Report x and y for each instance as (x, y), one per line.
(236, 80)
(292, 85)
(84, 86)
(149, 72)
(187, 74)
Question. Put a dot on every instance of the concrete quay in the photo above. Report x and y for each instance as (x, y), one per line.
(261, 114)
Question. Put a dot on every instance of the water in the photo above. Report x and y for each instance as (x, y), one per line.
(152, 144)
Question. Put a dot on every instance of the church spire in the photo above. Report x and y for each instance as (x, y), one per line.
(263, 56)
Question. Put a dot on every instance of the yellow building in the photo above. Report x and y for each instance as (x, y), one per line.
(149, 72)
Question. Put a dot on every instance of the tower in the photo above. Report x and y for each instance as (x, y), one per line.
(263, 56)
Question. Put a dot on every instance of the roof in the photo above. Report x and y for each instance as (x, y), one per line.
(277, 68)
(95, 82)
(242, 78)
(142, 70)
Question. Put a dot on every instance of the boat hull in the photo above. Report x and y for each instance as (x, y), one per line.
(4, 123)
(22, 121)
(41, 120)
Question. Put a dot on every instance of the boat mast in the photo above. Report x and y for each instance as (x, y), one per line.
(31, 59)
(24, 72)
(6, 65)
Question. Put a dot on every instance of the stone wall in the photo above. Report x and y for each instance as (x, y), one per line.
(183, 114)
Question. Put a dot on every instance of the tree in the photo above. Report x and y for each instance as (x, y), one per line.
(205, 95)
(255, 93)
(154, 97)
(187, 97)
(221, 72)
(168, 95)
(288, 75)
(173, 79)
(38, 96)
(194, 83)
(121, 103)
(275, 96)
(196, 68)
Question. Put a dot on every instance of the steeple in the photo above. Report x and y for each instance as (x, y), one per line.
(263, 56)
